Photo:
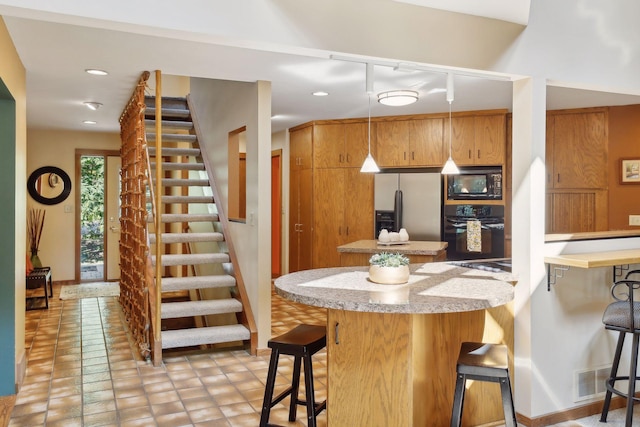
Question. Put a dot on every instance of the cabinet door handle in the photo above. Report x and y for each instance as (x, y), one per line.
(412, 156)
(404, 156)
(558, 177)
(469, 153)
(478, 153)
(347, 230)
(339, 158)
(348, 158)
(340, 230)
(336, 329)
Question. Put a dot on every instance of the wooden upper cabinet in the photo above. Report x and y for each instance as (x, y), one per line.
(392, 143)
(578, 148)
(490, 139)
(477, 140)
(339, 145)
(301, 148)
(426, 144)
(410, 143)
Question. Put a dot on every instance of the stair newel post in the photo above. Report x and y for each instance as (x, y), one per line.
(159, 210)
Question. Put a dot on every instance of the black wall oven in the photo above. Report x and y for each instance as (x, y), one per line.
(489, 240)
(475, 183)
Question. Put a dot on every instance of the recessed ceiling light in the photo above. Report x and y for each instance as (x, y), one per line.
(320, 93)
(96, 72)
(90, 122)
(92, 105)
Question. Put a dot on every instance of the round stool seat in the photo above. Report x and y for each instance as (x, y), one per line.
(301, 339)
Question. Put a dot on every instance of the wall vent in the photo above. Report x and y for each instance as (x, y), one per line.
(590, 383)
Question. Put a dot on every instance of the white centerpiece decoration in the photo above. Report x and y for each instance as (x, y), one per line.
(389, 268)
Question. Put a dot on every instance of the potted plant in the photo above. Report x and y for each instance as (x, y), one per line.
(389, 268)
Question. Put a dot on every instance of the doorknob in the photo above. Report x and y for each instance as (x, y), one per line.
(114, 229)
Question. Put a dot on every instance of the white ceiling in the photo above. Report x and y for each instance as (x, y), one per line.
(55, 56)
(516, 11)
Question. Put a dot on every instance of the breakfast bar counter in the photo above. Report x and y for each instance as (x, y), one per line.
(392, 349)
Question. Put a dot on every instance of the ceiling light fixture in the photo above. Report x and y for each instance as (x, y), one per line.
(320, 93)
(397, 98)
(92, 105)
(96, 72)
(89, 122)
(369, 165)
(450, 167)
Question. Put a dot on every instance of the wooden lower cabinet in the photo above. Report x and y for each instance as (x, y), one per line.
(300, 220)
(389, 369)
(342, 212)
(576, 211)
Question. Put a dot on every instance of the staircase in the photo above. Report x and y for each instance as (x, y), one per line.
(197, 261)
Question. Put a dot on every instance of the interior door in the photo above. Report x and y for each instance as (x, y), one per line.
(112, 218)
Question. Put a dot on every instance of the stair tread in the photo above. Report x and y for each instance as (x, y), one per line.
(171, 310)
(206, 335)
(170, 124)
(176, 151)
(180, 166)
(177, 182)
(171, 284)
(188, 237)
(168, 112)
(187, 218)
(187, 199)
(191, 259)
(181, 137)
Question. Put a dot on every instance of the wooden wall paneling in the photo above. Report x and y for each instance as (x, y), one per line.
(305, 243)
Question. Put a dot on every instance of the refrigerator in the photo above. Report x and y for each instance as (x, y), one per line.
(415, 198)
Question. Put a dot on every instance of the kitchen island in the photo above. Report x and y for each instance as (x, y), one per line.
(392, 349)
(358, 253)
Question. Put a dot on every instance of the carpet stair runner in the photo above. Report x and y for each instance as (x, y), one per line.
(179, 142)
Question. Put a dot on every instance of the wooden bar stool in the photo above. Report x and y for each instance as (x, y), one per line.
(483, 362)
(302, 342)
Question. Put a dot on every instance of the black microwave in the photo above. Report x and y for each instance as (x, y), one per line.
(475, 184)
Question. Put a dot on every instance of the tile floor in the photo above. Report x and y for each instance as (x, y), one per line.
(82, 372)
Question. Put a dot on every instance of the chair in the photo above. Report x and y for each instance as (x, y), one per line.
(617, 317)
(39, 277)
(483, 362)
(302, 342)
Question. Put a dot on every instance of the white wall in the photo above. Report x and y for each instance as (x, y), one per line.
(222, 107)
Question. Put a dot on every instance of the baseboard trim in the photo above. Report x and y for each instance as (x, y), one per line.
(571, 414)
(21, 370)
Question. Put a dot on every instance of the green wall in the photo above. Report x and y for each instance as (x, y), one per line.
(7, 241)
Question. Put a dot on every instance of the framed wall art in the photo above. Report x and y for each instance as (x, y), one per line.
(630, 171)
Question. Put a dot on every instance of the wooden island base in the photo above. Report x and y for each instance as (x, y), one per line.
(390, 369)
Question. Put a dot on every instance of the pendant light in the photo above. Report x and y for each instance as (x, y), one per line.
(450, 167)
(369, 165)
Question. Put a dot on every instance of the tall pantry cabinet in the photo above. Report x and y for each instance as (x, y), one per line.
(300, 200)
(339, 196)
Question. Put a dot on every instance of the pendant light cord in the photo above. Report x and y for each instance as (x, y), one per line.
(369, 126)
(450, 129)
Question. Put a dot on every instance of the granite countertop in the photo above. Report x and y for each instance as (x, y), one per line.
(433, 288)
(409, 248)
